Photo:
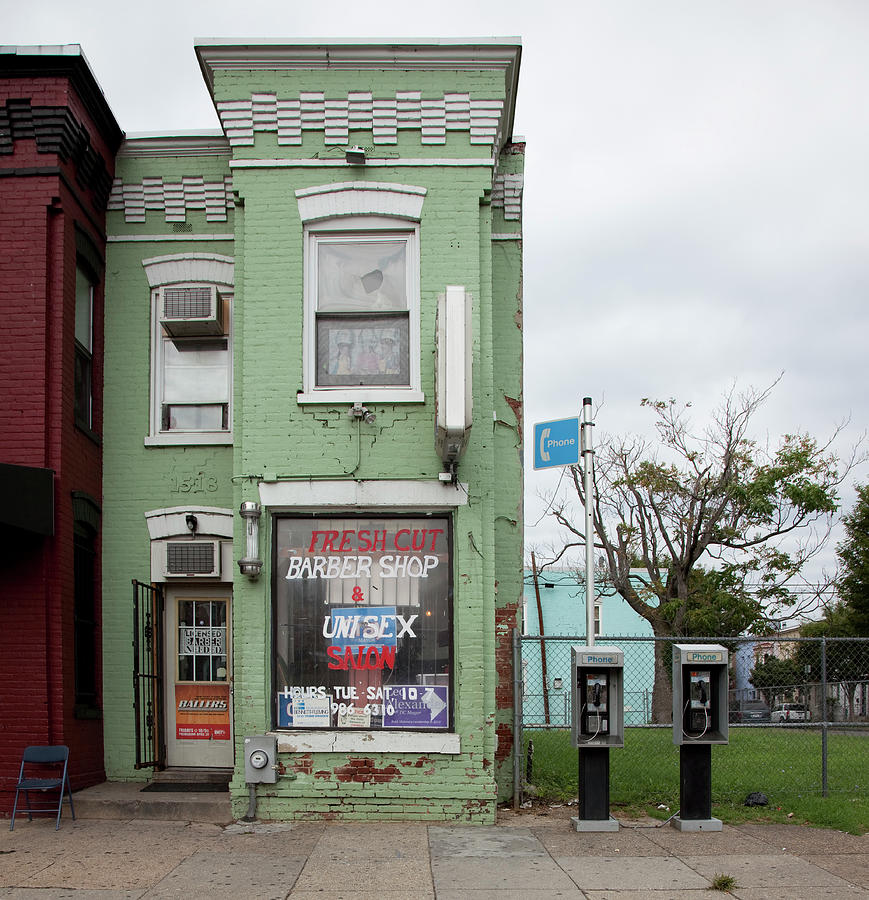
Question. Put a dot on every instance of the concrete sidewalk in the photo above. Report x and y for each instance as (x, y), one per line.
(528, 856)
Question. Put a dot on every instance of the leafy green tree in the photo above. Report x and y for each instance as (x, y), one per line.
(713, 495)
(845, 663)
(775, 677)
(718, 604)
(853, 552)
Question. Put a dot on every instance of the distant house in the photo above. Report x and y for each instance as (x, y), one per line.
(562, 602)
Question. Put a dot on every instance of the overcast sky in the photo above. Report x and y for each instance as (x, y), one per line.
(696, 200)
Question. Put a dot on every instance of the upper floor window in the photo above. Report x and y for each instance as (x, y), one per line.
(84, 347)
(362, 292)
(192, 371)
(191, 348)
(361, 309)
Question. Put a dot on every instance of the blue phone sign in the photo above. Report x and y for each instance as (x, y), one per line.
(556, 443)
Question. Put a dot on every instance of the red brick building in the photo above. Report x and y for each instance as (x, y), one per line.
(58, 140)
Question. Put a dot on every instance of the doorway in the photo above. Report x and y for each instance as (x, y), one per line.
(198, 677)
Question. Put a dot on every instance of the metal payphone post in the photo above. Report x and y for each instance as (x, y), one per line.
(700, 719)
(597, 723)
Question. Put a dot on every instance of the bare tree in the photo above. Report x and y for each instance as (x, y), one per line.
(716, 496)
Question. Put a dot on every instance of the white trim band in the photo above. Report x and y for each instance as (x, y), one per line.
(368, 742)
(326, 494)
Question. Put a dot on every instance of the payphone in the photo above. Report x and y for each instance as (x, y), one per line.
(597, 689)
(700, 684)
(700, 714)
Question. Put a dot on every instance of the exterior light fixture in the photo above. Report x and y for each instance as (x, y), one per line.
(358, 411)
(355, 156)
(192, 522)
(251, 564)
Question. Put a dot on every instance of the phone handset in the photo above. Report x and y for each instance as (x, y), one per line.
(594, 719)
(697, 713)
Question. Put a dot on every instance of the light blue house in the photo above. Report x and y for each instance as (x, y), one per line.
(546, 670)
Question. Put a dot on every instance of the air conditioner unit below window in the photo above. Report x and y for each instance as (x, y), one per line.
(192, 559)
(191, 311)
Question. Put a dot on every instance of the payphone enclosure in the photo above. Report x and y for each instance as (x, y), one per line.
(597, 697)
(700, 689)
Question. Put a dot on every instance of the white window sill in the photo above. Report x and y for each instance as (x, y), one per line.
(362, 395)
(188, 438)
(368, 742)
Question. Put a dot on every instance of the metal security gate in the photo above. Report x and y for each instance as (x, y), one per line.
(148, 675)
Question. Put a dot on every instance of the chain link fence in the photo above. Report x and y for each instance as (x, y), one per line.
(798, 714)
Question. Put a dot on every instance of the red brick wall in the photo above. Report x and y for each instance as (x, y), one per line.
(39, 212)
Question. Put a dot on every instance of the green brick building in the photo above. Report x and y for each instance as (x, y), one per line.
(313, 432)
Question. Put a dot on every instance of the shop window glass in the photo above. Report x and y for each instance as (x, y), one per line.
(363, 623)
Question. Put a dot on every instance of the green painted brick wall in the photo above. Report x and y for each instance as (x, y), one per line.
(275, 436)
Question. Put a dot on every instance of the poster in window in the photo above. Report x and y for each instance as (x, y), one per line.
(202, 712)
(362, 350)
(362, 606)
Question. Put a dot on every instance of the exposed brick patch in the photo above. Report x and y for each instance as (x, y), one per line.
(363, 770)
(516, 406)
(304, 765)
(506, 619)
(505, 742)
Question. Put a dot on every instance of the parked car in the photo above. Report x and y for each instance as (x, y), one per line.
(790, 712)
(751, 713)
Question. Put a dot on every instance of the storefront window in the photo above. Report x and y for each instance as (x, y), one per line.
(363, 623)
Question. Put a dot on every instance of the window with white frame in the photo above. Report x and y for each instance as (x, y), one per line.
(362, 310)
(192, 364)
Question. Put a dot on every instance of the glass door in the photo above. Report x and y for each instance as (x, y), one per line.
(199, 666)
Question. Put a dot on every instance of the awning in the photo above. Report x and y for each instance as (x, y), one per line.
(27, 498)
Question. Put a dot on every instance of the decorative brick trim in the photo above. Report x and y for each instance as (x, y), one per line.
(174, 199)
(57, 131)
(507, 193)
(360, 111)
(360, 198)
(205, 268)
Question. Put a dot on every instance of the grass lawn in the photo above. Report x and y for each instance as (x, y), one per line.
(783, 763)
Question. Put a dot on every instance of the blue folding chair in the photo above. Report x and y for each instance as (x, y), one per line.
(36, 764)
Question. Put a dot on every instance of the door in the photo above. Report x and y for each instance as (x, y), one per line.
(148, 675)
(198, 678)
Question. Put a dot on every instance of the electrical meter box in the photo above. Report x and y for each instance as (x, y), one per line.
(597, 692)
(260, 759)
(700, 684)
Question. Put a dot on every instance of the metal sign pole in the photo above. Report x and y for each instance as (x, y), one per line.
(587, 481)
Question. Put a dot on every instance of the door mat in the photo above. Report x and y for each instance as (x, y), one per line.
(186, 787)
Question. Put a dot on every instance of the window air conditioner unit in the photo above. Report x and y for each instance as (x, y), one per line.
(192, 559)
(192, 311)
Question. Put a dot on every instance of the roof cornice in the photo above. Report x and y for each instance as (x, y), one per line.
(65, 60)
(194, 143)
(445, 54)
